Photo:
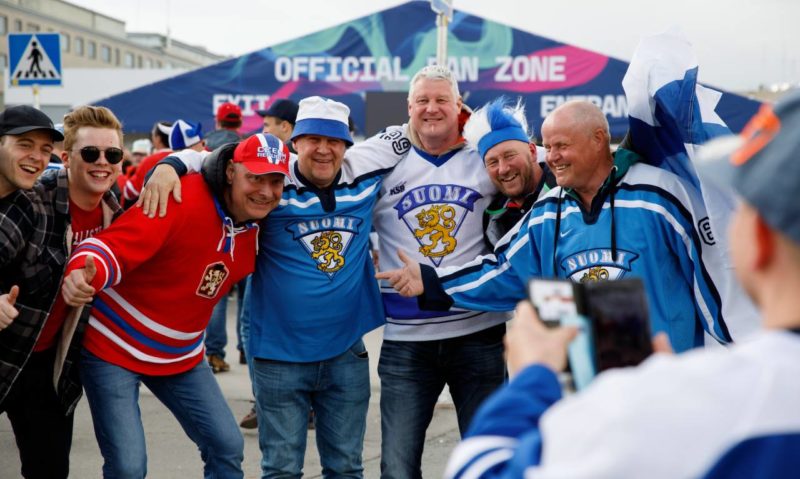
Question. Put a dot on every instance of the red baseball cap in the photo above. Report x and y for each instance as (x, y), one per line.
(263, 153)
(229, 112)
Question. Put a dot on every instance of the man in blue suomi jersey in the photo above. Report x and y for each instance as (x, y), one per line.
(612, 216)
(708, 414)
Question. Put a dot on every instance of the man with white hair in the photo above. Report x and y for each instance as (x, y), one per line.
(431, 205)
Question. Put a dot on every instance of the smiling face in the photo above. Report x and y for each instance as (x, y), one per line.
(577, 150)
(433, 112)
(88, 182)
(319, 158)
(22, 159)
(251, 197)
(511, 168)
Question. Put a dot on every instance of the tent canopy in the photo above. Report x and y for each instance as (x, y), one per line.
(380, 53)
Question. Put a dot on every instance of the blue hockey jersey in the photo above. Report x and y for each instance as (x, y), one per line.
(641, 224)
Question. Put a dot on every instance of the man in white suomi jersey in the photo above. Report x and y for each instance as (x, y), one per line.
(431, 205)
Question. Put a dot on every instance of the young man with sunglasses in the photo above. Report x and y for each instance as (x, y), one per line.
(41, 337)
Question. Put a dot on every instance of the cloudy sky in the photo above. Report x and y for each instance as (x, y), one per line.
(740, 44)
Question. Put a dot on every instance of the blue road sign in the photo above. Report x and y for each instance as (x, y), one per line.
(34, 58)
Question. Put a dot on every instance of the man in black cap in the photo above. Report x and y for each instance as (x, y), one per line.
(27, 137)
(279, 120)
(40, 337)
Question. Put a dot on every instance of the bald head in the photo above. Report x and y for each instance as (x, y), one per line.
(583, 116)
(576, 138)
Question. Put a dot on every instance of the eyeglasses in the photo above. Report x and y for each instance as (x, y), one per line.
(90, 154)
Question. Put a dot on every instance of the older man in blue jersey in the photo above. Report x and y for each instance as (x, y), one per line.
(314, 295)
(612, 216)
(711, 414)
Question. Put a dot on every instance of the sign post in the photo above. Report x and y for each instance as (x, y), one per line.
(34, 60)
(444, 14)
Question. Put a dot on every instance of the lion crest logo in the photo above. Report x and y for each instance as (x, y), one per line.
(326, 240)
(433, 214)
(436, 224)
(327, 250)
(594, 275)
(213, 277)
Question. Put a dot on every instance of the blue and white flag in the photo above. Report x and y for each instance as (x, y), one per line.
(670, 117)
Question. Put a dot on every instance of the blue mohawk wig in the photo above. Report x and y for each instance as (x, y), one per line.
(495, 123)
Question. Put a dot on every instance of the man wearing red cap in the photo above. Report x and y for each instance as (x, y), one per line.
(228, 122)
(153, 299)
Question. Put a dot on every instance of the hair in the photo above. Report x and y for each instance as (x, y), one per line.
(91, 116)
(163, 137)
(434, 72)
(230, 125)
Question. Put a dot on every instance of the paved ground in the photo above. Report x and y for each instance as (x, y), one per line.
(172, 455)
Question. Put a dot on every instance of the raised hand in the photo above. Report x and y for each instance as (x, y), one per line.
(407, 280)
(7, 310)
(77, 288)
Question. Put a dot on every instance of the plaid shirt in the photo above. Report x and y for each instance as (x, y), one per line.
(34, 237)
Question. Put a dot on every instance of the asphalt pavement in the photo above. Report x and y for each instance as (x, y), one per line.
(171, 455)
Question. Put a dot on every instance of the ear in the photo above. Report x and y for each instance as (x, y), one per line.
(65, 158)
(765, 244)
(230, 172)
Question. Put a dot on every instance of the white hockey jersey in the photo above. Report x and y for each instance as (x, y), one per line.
(432, 208)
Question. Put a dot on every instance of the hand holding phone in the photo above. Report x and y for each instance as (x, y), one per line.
(611, 317)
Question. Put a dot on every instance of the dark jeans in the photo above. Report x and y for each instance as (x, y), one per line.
(413, 374)
(42, 431)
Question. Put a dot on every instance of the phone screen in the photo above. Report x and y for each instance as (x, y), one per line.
(621, 330)
(553, 299)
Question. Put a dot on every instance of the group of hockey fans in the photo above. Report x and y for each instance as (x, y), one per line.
(116, 265)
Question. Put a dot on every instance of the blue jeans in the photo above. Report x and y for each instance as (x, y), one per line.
(216, 331)
(413, 374)
(194, 399)
(338, 390)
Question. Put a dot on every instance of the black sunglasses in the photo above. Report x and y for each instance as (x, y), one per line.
(90, 154)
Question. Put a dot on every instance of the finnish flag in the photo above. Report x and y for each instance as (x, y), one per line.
(670, 117)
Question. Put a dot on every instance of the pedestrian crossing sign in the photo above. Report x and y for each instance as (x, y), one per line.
(34, 59)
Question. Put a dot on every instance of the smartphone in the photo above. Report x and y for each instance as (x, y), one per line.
(612, 320)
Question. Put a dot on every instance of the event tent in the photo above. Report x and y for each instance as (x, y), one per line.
(378, 53)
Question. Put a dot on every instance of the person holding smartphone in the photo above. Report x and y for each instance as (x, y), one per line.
(708, 413)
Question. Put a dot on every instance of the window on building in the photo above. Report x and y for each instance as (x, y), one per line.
(105, 53)
(91, 49)
(32, 27)
(65, 42)
(128, 60)
(3, 61)
(3, 25)
(17, 25)
(79, 46)
(158, 64)
(148, 63)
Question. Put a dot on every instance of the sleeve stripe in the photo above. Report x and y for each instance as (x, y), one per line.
(94, 244)
(472, 448)
(101, 267)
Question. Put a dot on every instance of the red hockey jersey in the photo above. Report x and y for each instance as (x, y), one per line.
(160, 278)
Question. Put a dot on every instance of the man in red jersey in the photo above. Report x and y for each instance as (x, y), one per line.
(154, 284)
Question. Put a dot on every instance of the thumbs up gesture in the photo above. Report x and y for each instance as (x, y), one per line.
(407, 280)
(7, 310)
(77, 288)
